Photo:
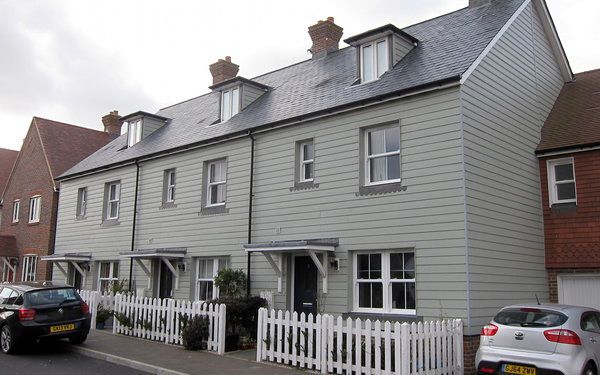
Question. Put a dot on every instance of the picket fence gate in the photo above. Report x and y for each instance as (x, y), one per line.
(352, 346)
(164, 319)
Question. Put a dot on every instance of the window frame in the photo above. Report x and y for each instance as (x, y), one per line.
(210, 183)
(367, 157)
(16, 211)
(385, 280)
(170, 183)
(117, 200)
(81, 202)
(302, 162)
(552, 183)
(375, 58)
(113, 265)
(27, 274)
(215, 270)
(233, 108)
(134, 132)
(35, 209)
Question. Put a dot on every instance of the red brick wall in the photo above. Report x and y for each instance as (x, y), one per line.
(31, 177)
(470, 346)
(572, 238)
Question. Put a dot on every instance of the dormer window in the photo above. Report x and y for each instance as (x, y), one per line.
(230, 103)
(374, 59)
(134, 132)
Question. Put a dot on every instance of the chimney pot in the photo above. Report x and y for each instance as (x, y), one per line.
(112, 123)
(325, 37)
(223, 70)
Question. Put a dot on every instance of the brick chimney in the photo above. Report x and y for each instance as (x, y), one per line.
(325, 36)
(223, 70)
(112, 123)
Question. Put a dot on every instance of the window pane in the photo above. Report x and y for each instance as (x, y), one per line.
(376, 142)
(566, 191)
(396, 266)
(410, 295)
(308, 171)
(223, 263)
(367, 63)
(364, 295)
(115, 271)
(375, 266)
(563, 172)
(205, 290)
(205, 268)
(409, 265)
(393, 167)
(221, 193)
(362, 266)
(398, 296)
(226, 106)
(378, 169)
(307, 151)
(112, 194)
(104, 270)
(382, 61)
(392, 139)
(235, 101)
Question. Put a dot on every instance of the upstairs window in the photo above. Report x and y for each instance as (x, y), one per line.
(35, 208)
(382, 159)
(230, 103)
(307, 161)
(113, 200)
(169, 186)
(81, 201)
(216, 183)
(15, 211)
(561, 181)
(374, 60)
(134, 132)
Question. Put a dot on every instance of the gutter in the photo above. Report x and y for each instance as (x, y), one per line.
(135, 201)
(250, 200)
(432, 86)
(568, 149)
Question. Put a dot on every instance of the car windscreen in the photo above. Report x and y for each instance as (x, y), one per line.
(530, 317)
(51, 296)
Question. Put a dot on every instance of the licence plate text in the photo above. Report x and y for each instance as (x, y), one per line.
(62, 328)
(520, 370)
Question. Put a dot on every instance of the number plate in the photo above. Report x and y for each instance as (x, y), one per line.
(63, 328)
(520, 370)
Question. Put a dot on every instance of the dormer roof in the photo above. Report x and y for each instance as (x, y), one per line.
(379, 32)
(144, 114)
(237, 81)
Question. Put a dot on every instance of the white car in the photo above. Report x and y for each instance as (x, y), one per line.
(541, 339)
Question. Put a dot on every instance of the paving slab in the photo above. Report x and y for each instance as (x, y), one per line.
(159, 358)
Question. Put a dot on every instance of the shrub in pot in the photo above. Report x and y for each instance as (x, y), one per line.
(195, 333)
(102, 315)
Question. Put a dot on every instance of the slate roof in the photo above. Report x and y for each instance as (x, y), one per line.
(448, 45)
(7, 160)
(65, 145)
(575, 118)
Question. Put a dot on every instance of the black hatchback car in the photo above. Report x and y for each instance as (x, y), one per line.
(38, 310)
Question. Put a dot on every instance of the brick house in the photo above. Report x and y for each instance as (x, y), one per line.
(569, 159)
(30, 196)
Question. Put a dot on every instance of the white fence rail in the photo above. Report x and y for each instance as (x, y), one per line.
(93, 299)
(164, 319)
(328, 344)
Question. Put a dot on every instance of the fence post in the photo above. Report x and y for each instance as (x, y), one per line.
(222, 327)
(115, 311)
(458, 344)
(404, 337)
(259, 339)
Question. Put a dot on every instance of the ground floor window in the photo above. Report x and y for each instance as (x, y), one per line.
(29, 268)
(384, 281)
(207, 269)
(7, 273)
(108, 273)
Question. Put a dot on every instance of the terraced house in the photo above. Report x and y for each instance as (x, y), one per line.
(392, 178)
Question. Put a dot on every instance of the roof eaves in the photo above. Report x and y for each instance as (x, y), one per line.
(240, 80)
(143, 113)
(382, 29)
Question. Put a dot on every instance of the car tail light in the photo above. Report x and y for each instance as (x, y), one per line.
(562, 336)
(26, 314)
(489, 330)
(85, 308)
(487, 370)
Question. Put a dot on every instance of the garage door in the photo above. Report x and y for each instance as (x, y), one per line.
(579, 290)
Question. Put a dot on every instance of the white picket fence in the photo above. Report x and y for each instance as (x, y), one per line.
(93, 299)
(333, 345)
(164, 319)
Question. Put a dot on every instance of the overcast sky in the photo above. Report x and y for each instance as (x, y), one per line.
(74, 61)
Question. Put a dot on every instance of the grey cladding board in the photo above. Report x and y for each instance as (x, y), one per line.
(250, 94)
(506, 101)
(401, 47)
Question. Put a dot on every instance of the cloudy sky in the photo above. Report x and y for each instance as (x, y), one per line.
(74, 61)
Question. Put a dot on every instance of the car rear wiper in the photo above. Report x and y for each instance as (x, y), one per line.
(533, 325)
(67, 300)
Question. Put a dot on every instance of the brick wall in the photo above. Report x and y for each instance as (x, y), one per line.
(572, 234)
(31, 177)
(470, 346)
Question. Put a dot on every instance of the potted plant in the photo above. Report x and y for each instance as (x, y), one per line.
(195, 333)
(102, 315)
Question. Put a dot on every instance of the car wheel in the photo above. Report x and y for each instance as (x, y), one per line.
(80, 339)
(7, 342)
(589, 369)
